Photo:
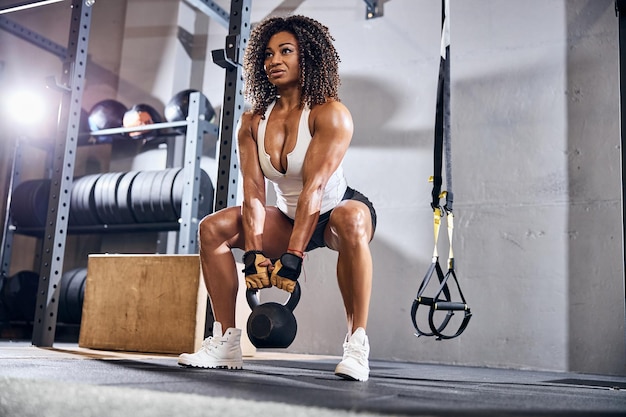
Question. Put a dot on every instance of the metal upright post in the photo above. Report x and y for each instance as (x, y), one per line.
(8, 230)
(231, 59)
(196, 127)
(620, 9)
(53, 245)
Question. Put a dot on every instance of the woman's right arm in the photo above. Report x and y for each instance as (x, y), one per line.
(253, 206)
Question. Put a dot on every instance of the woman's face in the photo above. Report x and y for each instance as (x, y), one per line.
(282, 65)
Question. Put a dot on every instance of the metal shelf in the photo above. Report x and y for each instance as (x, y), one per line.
(74, 57)
(104, 229)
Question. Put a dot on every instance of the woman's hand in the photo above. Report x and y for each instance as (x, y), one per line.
(256, 270)
(286, 271)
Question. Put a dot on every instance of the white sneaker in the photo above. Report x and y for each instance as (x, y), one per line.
(217, 351)
(355, 364)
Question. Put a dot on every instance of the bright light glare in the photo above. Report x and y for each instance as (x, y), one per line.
(25, 108)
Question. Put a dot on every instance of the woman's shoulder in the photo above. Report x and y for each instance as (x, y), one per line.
(249, 122)
(330, 106)
(249, 117)
(331, 111)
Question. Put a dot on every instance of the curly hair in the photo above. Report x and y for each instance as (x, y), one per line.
(319, 62)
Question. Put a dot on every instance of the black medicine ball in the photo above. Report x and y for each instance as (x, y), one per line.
(106, 114)
(177, 108)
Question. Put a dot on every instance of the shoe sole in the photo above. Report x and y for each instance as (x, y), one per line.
(350, 374)
(350, 377)
(220, 366)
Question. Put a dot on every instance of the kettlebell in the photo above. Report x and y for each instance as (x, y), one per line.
(272, 325)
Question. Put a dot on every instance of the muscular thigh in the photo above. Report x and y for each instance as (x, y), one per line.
(351, 217)
(226, 226)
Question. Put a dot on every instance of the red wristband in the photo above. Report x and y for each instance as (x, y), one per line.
(298, 252)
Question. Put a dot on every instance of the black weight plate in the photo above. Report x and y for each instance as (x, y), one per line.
(75, 295)
(147, 193)
(79, 203)
(20, 295)
(165, 198)
(102, 194)
(155, 197)
(177, 192)
(21, 208)
(137, 197)
(107, 194)
(140, 197)
(153, 194)
(99, 198)
(63, 311)
(207, 193)
(41, 195)
(87, 205)
(24, 205)
(76, 211)
(30, 204)
(134, 197)
(73, 202)
(123, 198)
(110, 197)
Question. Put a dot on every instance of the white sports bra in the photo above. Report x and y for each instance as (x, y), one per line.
(288, 186)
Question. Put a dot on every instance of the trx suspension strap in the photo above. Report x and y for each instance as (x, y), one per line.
(442, 301)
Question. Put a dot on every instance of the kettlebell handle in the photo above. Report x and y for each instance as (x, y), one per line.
(252, 297)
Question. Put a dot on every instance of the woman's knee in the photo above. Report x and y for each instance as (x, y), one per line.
(351, 222)
(218, 227)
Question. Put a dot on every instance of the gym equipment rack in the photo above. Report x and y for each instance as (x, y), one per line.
(53, 237)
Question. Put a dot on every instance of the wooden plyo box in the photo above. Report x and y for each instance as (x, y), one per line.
(143, 303)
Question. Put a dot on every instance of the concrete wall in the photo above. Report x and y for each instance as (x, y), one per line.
(595, 284)
(535, 131)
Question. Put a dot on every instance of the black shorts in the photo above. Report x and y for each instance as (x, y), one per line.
(317, 239)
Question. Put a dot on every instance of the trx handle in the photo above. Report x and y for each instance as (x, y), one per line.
(450, 305)
(442, 301)
(428, 301)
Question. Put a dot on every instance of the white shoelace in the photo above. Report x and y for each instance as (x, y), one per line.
(211, 343)
(352, 350)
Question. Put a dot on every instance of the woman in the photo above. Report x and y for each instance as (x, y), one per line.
(295, 136)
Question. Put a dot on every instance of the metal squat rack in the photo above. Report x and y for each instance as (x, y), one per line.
(71, 86)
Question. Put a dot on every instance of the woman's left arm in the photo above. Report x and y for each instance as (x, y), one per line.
(332, 132)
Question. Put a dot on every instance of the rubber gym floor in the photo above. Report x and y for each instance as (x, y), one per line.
(67, 380)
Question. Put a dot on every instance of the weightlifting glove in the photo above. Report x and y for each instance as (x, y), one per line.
(257, 276)
(286, 271)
